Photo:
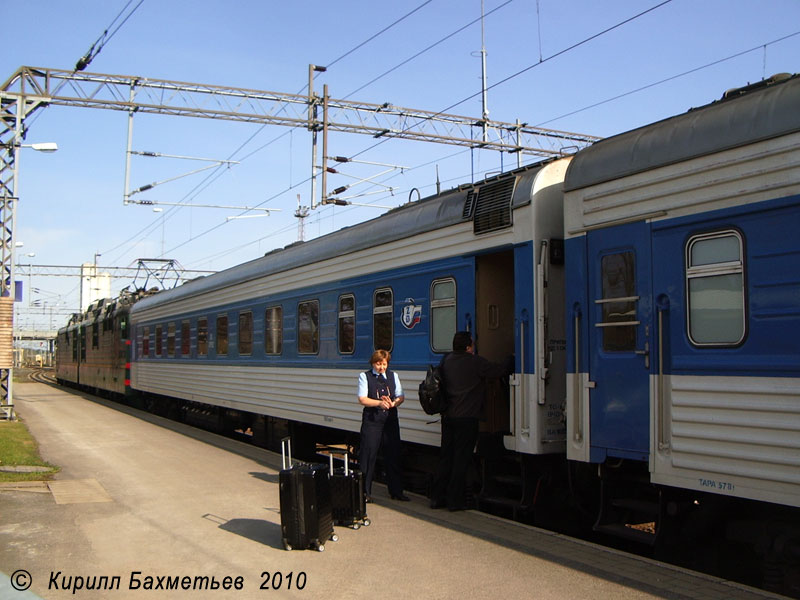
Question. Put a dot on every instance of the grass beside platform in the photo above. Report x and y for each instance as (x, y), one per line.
(18, 448)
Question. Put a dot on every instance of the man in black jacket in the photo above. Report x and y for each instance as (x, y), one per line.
(464, 376)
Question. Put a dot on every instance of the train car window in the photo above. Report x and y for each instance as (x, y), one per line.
(159, 339)
(246, 332)
(619, 317)
(443, 314)
(382, 319)
(715, 289)
(273, 330)
(222, 335)
(308, 327)
(171, 339)
(82, 344)
(95, 335)
(347, 324)
(146, 341)
(74, 347)
(186, 339)
(202, 336)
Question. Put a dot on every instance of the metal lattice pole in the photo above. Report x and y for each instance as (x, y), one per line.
(11, 127)
(13, 112)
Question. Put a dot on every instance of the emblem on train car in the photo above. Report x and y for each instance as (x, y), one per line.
(412, 313)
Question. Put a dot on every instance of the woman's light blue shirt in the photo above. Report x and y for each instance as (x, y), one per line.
(363, 388)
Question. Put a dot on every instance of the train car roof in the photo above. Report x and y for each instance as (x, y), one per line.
(103, 308)
(760, 111)
(427, 214)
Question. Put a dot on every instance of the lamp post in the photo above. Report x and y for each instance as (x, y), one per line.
(10, 196)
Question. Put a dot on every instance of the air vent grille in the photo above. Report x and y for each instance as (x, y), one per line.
(469, 205)
(493, 206)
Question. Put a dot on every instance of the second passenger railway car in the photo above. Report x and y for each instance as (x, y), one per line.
(286, 335)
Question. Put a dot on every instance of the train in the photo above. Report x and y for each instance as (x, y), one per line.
(647, 286)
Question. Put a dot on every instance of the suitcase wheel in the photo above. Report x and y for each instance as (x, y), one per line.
(367, 522)
(319, 547)
(334, 538)
(356, 525)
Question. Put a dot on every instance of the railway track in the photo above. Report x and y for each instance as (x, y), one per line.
(42, 376)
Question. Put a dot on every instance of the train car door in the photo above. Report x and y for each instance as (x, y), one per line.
(494, 329)
(620, 312)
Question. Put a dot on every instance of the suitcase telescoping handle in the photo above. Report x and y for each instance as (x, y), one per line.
(332, 451)
(286, 452)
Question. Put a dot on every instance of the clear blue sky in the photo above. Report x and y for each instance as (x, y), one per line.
(71, 201)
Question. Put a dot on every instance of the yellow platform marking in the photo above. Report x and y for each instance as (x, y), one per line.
(77, 491)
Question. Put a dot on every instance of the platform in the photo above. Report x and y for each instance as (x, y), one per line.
(142, 501)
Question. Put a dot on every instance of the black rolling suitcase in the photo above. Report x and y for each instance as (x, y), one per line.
(347, 494)
(305, 500)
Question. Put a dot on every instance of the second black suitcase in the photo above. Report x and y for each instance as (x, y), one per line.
(347, 495)
(305, 501)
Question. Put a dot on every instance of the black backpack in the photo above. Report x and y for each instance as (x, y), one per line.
(432, 395)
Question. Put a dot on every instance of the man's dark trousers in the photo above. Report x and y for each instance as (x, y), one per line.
(459, 436)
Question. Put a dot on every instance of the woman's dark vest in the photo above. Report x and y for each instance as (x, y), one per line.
(375, 389)
(376, 385)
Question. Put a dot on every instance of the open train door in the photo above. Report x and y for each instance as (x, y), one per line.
(619, 340)
(494, 330)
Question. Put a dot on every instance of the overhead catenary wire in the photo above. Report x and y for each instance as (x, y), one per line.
(381, 32)
(525, 70)
(214, 175)
(105, 37)
(671, 78)
(559, 53)
(205, 260)
(517, 74)
(661, 81)
(426, 49)
(93, 51)
(541, 60)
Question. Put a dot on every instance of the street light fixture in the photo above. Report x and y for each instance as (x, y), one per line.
(39, 146)
(42, 147)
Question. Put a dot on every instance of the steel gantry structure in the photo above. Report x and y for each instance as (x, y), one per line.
(30, 89)
(161, 270)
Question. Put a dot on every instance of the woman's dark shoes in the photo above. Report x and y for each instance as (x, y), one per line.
(401, 497)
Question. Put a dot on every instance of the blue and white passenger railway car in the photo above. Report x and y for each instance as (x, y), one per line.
(286, 335)
(683, 300)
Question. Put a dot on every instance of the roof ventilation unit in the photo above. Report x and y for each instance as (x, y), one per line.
(493, 206)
